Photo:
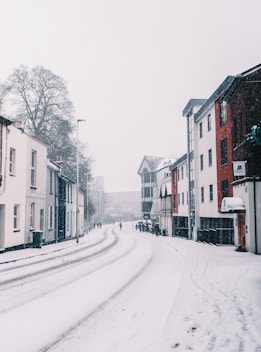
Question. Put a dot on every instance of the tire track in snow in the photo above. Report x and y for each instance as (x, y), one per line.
(20, 300)
(102, 305)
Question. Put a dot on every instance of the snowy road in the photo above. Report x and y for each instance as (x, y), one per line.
(126, 291)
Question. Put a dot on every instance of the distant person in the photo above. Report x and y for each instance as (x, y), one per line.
(120, 225)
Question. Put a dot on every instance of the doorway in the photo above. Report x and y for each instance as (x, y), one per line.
(241, 230)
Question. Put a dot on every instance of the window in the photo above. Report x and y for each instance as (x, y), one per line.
(182, 198)
(33, 168)
(70, 193)
(223, 113)
(202, 194)
(32, 215)
(211, 193)
(12, 161)
(175, 201)
(50, 217)
(41, 219)
(16, 223)
(175, 177)
(224, 186)
(201, 162)
(210, 157)
(209, 122)
(200, 130)
(146, 178)
(67, 221)
(223, 147)
(179, 198)
(51, 181)
(182, 172)
(147, 192)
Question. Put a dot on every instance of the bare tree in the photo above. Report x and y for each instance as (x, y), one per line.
(42, 103)
(3, 93)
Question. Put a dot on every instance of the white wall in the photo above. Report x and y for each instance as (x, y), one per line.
(207, 176)
(13, 187)
(36, 194)
(183, 188)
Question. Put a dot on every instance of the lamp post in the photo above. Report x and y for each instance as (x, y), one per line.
(77, 182)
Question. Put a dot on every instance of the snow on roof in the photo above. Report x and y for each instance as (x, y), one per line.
(232, 205)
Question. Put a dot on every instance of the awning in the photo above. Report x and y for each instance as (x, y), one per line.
(232, 205)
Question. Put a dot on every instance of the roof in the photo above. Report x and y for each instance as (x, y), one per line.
(177, 162)
(223, 87)
(166, 162)
(250, 71)
(242, 77)
(5, 121)
(191, 103)
(152, 162)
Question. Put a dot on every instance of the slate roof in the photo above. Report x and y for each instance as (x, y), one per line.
(217, 93)
(152, 161)
(191, 103)
(177, 162)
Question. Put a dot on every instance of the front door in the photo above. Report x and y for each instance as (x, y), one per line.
(241, 230)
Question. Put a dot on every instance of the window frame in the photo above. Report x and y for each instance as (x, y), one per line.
(223, 112)
(50, 217)
(32, 216)
(201, 162)
(210, 157)
(12, 161)
(211, 193)
(209, 122)
(200, 130)
(33, 168)
(202, 194)
(223, 152)
(16, 217)
(225, 188)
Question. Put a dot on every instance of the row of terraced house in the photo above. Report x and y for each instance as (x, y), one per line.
(212, 193)
(35, 196)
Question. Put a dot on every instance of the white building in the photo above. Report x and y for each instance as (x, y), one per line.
(162, 196)
(35, 187)
(13, 170)
(23, 189)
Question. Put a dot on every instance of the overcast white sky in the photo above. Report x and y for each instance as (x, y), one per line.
(131, 66)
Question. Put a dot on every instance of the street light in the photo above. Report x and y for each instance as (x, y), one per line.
(77, 183)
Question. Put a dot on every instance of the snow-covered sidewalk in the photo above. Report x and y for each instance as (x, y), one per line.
(30, 252)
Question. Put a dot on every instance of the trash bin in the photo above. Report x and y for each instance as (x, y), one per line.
(37, 239)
